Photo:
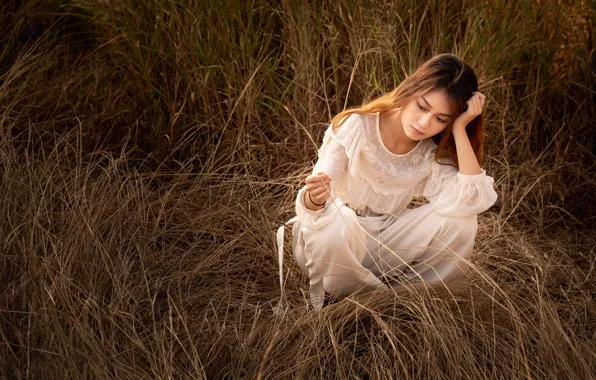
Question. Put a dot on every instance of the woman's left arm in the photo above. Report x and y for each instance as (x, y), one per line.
(467, 161)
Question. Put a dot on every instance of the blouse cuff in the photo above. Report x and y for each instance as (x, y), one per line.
(472, 177)
(314, 219)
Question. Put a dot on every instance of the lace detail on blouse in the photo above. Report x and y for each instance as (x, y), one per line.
(388, 173)
(369, 178)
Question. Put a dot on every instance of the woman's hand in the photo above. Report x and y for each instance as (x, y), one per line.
(474, 108)
(318, 187)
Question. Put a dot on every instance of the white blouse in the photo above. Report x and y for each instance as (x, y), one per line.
(372, 180)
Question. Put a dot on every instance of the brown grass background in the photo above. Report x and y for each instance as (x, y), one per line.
(149, 150)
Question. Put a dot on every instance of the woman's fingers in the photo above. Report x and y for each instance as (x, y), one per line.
(317, 185)
(479, 104)
(314, 181)
(475, 104)
(317, 178)
(314, 184)
(321, 197)
(481, 98)
(318, 191)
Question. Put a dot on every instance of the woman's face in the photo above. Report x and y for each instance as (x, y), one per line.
(426, 115)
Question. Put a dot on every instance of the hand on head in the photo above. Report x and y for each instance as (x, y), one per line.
(473, 108)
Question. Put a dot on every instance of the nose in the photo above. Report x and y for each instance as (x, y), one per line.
(424, 119)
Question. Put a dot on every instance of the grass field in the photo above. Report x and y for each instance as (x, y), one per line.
(149, 150)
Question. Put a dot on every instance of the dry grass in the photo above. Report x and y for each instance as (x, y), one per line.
(149, 152)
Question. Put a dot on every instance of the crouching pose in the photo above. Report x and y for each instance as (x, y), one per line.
(353, 226)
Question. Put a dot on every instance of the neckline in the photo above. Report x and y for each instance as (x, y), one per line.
(378, 128)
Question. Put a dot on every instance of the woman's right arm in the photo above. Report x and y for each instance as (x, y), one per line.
(321, 184)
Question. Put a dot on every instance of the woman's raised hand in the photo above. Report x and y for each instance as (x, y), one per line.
(473, 108)
(318, 186)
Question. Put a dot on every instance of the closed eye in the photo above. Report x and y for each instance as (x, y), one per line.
(423, 109)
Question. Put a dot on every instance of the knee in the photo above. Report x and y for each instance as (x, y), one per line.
(343, 225)
(465, 226)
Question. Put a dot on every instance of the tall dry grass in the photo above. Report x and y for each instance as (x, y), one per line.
(149, 150)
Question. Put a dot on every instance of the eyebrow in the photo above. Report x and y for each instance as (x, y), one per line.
(431, 107)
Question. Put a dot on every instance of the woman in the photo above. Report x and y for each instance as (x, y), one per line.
(425, 138)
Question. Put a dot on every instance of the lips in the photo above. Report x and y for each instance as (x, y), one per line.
(417, 131)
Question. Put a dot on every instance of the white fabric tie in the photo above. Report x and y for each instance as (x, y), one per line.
(282, 303)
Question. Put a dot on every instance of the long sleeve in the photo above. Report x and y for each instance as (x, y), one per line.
(452, 193)
(333, 159)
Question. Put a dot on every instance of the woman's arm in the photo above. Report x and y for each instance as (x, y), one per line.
(326, 175)
(467, 161)
(465, 191)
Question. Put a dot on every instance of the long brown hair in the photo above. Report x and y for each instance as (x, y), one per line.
(441, 72)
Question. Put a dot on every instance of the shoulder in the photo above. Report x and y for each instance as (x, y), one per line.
(355, 121)
(353, 127)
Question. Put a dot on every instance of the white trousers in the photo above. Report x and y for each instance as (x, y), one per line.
(351, 252)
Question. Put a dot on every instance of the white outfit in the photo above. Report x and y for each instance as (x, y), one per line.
(365, 229)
